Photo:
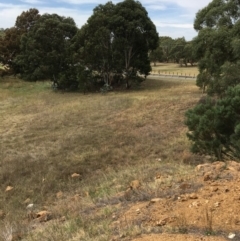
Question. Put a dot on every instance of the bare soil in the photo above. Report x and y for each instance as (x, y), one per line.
(206, 207)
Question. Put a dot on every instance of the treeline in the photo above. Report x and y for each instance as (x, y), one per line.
(111, 48)
(174, 50)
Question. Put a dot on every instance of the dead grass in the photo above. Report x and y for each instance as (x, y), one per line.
(109, 140)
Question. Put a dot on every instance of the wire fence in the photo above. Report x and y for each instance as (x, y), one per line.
(174, 74)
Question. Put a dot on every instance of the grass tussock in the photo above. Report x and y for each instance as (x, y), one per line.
(109, 140)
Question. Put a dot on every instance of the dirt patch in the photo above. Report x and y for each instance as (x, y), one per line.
(209, 211)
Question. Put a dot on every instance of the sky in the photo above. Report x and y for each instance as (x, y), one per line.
(173, 18)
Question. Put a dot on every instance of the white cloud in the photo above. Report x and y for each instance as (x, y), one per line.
(181, 24)
(32, 1)
(156, 7)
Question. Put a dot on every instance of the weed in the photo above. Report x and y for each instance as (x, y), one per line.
(209, 221)
(182, 224)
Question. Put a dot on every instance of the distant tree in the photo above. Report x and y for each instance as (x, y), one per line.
(1, 32)
(189, 54)
(156, 55)
(46, 51)
(166, 44)
(177, 50)
(10, 42)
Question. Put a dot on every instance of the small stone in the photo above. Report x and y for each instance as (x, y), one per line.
(156, 200)
(231, 235)
(185, 186)
(193, 196)
(161, 222)
(135, 184)
(138, 211)
(217, 204)
(43, 216)
(75, 175)
(207, 176)
(2, 214)
(196, 204)
(62, 219)
(208, 157)
(30, 206)
(28, 200)
(214, 189)
(59, 195)
(8, 188)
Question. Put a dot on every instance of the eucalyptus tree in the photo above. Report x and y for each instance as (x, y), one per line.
(93, 42)
(46, 50)
(215, 125)
(134, 34)
(117, 39)
(10, 41)
(218, 26)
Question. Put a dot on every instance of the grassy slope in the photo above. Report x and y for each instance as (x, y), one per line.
(109, 139)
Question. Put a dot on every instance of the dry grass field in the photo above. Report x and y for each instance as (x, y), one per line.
(108, 139)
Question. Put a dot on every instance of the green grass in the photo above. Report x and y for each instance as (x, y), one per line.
(109, 140)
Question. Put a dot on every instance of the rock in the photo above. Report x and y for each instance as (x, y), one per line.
(128, 193)
(193, 196)
(43, 216)
(8, 188)
(138, 211)
(207, 176)
(217, 204)
(2, 214)
(233, 166)
(231, 235)
(208, 157)
(161, 222)
(62, 219)
(28, 200)
(185, 186)
(214, 189)
(76, 197)
(196, 204)
(30, 206)
(75, 175)
(219, 166)
(135, 184)
(59, 195)
(155, 200)
(202, 167)
(183, 198)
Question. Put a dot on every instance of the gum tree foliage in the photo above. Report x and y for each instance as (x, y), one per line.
(214, 127)
(217, 44)
(117, 39)
(10, 41)
(46, 51)
(93, 42)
